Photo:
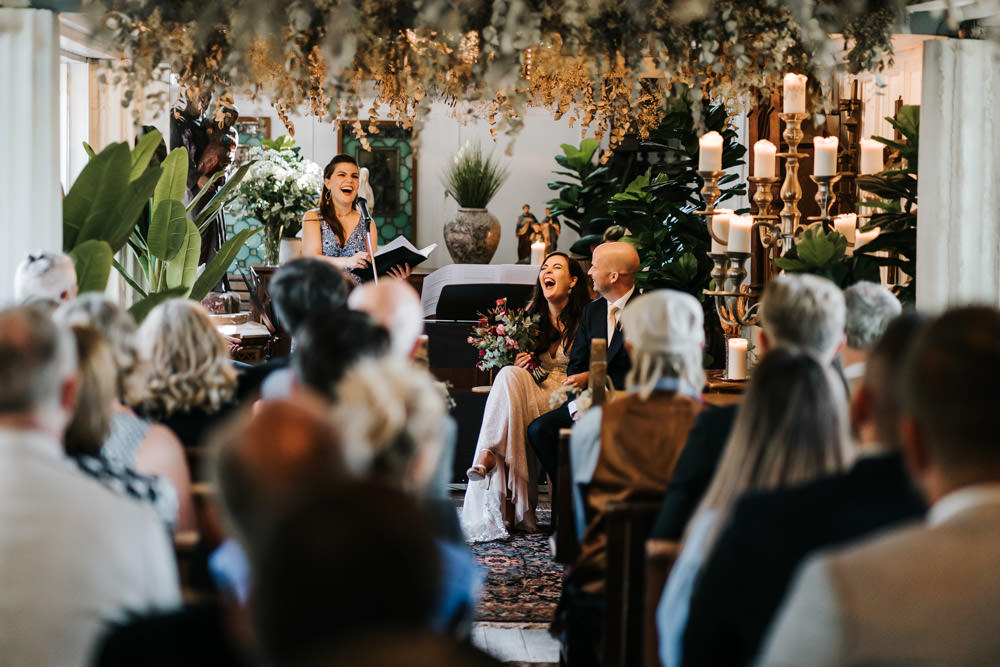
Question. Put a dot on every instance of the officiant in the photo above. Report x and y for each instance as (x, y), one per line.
(336, 230)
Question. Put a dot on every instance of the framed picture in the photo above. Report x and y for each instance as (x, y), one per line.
(251, 130)
(392, 169)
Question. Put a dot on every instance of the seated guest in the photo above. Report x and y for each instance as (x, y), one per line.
(791, 428)
(329, 343)
(393, 422)
(45, 277)
(303, 286)
(73, 555)
(870, 308)
(515, 400)
(91, 424)
(627, 448)
(747, 575)
(799, 312)
(613, 272)
(134, 443)
(923, 593)
(191, 383)
(394, 305)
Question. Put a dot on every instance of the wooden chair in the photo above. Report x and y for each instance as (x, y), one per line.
(660, 558)
(567, 546)
(628, 525)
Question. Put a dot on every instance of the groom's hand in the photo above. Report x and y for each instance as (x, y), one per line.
(579, 380)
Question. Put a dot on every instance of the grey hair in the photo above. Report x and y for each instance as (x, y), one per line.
(870, 308)
(394, 304)
(805, 313)
(44, 276)
(117, 327)
(36, 357)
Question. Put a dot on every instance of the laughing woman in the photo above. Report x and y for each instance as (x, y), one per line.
(502, 491)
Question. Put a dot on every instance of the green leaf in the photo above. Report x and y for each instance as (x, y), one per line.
(127, 277)
(143, 153)
(141, 308)
(93, 196)
(173, 181)
(167, 229)
(134, 198)
(92, 260)
(222, 197)
(90, 151)
(183, 268)
(204, 190)
(817, 249)
(217, 268)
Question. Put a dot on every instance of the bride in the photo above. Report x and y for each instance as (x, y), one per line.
(502, 490)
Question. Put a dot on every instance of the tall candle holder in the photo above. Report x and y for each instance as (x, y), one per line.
(791, 191)
(710, 192)
(767, 224)
(825, 198)
(730, 294)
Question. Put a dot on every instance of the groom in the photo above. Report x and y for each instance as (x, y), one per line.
(613, 271)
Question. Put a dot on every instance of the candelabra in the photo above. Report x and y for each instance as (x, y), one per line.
(767, 224)
(791, 191)
(824, 197)
(710, 192)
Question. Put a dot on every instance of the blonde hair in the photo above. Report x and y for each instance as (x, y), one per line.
(118, 329)
(393, 417)
(91, 423)
(188, 360)
(791, 428)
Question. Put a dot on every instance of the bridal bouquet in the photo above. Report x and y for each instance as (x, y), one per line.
(502, 334)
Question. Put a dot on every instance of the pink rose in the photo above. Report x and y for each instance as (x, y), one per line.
(470, 340)
(501, 302)
(511, 342)
(482, 353)
(501, 329)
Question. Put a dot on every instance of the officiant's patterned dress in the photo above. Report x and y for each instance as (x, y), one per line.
(354, 243)
(515, 400)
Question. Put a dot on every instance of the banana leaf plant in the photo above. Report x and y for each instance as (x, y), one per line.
(103, 213)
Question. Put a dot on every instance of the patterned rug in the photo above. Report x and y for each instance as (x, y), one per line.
(523, 582)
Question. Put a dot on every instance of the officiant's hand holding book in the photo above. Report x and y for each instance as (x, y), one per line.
(398, 253)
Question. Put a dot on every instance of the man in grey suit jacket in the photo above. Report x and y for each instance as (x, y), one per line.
(926, 593)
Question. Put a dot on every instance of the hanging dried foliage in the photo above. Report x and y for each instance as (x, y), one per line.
(603, 63)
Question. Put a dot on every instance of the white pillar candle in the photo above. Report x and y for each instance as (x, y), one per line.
(871, 157)
(825, 160)
(864, 238)
(740, 227)
(736, 361)
(537, 252)
(847, 224)
(763, 159)
(720, 223)
(710, 152)
(794, 93)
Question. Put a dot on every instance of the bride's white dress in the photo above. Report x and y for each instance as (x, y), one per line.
(515, 400)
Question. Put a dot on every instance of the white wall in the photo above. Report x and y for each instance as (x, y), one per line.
(441, 137)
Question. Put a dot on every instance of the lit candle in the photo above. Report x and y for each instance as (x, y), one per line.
(720, 223)
(537, 252)
(847, 224)
(871, 157)
(740, 227)
(736, 361)
(794, 93)
(710, 152)
(825, 161)
(763, 159)
(864, 238)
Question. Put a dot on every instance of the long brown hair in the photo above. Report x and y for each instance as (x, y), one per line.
(326, 209)
(579, 297)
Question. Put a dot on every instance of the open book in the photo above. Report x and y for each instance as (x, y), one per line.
(395, 253)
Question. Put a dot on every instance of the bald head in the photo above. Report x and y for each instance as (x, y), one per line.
(613, 269)
(263, 459)
(394, 305)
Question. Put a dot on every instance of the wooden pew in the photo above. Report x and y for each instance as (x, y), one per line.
(628, 525)
(660, 558)
(566, 544)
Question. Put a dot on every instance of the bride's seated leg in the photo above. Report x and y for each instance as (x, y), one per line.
(483, 466)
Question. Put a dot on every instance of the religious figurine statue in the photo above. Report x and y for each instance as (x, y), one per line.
(210, 143)
(525, 231)
(547, 231)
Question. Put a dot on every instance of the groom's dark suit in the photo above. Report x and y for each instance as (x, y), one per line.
(543, 433)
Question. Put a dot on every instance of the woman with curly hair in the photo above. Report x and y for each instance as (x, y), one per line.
(133, 443)
(191, 381)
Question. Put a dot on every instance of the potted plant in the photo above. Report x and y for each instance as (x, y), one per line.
(472, 180)
(279, 188)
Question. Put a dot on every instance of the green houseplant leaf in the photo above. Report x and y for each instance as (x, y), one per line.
(182, 270)
(215, 269)
(92, 260)
(141, 308)
(221, 198)
(143, 153)
(94, 195)
(173, 181)
(167, 230)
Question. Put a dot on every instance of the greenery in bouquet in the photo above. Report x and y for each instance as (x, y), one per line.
(473, 179)
(279, 188)
(502, 334)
